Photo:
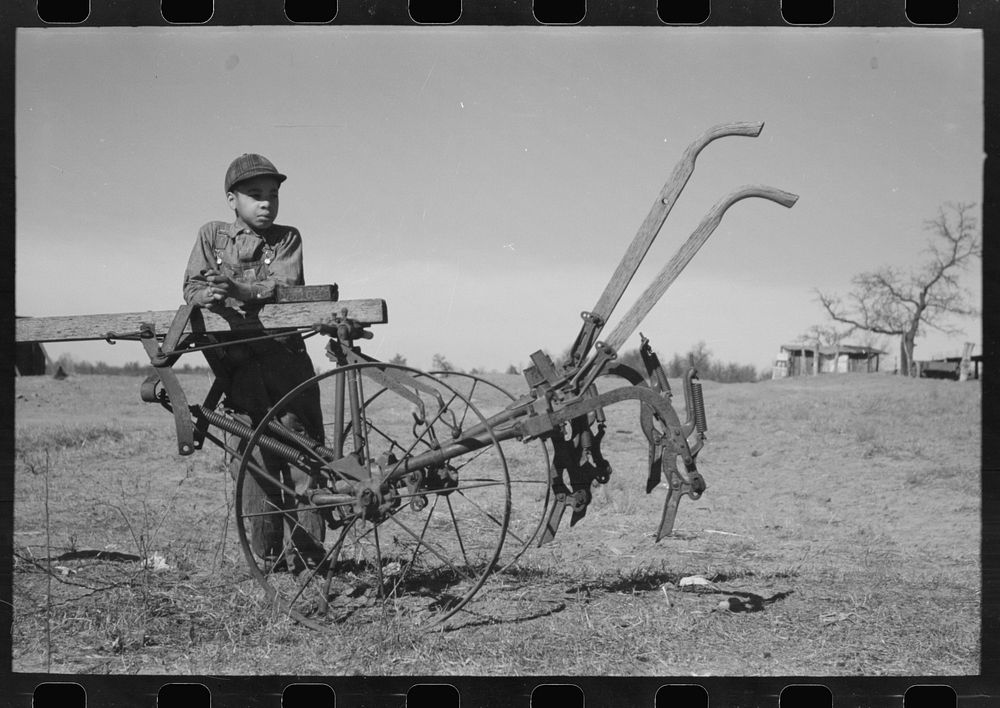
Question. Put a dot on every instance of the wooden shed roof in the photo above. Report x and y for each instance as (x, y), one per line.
(825, 349)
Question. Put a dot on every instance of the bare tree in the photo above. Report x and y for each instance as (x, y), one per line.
(824, 335)
(698, 357)
(890, 302)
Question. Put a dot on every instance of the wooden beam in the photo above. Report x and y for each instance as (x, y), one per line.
(72, 328)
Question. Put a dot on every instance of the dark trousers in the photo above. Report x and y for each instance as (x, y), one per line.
(259, 374)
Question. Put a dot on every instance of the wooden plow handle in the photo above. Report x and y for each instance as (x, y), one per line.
(684, 254)
(594, 321)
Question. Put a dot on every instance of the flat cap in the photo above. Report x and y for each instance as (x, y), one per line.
(249, 165)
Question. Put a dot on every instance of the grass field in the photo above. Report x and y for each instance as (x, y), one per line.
(842, 521)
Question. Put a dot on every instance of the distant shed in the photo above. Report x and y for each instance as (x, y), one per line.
(801, 360)
(30, 359)
(951, 367)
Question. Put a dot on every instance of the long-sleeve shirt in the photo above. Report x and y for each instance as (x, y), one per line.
(257, 373)
(238, 252)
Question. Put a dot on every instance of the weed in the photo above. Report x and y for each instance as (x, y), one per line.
(32, 440)
(875, 449)
(874, 406)
(871, 441)
(621, 494)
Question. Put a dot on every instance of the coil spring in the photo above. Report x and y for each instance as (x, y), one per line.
(303, 441)
(698, 404)
(244, 431)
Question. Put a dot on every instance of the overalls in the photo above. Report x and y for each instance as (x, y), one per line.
(258, 374)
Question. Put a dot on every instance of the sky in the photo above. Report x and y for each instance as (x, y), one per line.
(485, 182)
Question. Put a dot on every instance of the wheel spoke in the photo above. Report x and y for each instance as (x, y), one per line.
(372, 427)
(378, 564)
(312, 507)
(475, 456)
(472, 390)
(461, 486)
(458, 531)
(419, 438)
(330, 559)
(262, 478)
(488, 515)
(416, 549)
(334, 550)
(431, 549)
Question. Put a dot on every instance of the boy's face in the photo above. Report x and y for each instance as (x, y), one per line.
(255, 200)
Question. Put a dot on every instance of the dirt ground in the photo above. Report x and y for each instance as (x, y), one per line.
(839, 535)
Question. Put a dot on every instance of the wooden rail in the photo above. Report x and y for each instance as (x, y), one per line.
(71, 328)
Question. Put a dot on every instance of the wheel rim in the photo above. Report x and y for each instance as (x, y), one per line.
(392, 562)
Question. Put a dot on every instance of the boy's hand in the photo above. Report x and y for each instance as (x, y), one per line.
(220, 287)
(217, 288)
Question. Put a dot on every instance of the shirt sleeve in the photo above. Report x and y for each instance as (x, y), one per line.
(202, 258)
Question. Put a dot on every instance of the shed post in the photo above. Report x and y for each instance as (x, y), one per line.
(963, 367)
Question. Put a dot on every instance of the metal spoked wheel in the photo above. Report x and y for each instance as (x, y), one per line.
(529, 476)
(398, 516)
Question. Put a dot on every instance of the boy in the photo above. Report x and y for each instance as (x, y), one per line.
(237, 265)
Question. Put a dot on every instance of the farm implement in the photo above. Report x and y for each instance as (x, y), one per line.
(408, 506)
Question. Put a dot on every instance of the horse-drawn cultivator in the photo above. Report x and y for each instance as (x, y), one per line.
(419, 507)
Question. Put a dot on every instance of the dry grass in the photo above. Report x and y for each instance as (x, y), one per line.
(843, 511)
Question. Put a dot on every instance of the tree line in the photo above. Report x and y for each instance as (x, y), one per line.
(698, 357)
(69, 365)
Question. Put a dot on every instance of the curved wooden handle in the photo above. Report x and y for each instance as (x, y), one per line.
(751, 130)
(661, 209)
(685, 253)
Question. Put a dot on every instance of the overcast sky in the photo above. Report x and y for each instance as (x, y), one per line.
(485, 182)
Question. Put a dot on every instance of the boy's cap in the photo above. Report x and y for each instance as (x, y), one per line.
(249, 165)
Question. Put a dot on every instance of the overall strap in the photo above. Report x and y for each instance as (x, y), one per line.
(220, 242)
